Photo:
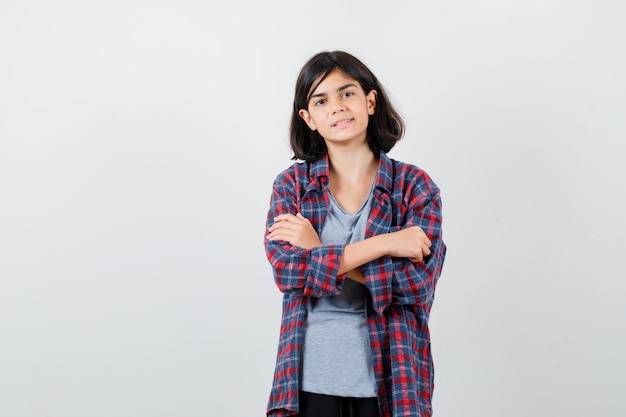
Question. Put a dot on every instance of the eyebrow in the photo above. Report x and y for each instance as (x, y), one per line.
(343, 87)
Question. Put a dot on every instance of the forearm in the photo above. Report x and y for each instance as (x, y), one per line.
(361, 252)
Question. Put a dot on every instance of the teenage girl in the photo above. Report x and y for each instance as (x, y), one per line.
(354, 239)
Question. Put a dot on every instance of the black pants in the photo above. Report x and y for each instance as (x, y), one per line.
(319, 405)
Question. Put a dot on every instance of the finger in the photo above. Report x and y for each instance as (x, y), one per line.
(281, 220)
(280, 235)
(424, 237)
(287, 225)
(416, 259)
(301, 219)
(284, 217)
(290, 218)
(300, 216)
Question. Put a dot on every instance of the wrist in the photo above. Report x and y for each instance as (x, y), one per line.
(384, 244)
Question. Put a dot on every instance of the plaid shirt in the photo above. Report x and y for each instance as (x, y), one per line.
(401, 292)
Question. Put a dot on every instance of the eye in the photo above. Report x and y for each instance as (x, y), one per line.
(319, 102)
(348, 94)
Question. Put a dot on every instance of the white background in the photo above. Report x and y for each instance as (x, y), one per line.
(139, 141)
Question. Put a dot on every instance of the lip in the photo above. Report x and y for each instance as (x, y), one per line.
(342, 122)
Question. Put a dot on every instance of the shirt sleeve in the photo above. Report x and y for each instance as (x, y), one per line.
(414, 282)
(310, 272)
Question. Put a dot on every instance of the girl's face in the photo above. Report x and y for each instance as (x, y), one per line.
(339, 109)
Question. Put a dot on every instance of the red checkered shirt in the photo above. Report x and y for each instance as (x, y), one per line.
(401, 292)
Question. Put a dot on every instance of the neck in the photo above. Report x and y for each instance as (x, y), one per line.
(352, 164)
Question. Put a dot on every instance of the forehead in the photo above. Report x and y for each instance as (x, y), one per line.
(333, 80)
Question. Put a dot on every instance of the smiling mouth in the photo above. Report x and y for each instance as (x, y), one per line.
(341, 122)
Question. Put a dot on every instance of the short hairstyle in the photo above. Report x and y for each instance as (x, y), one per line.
(385, 126)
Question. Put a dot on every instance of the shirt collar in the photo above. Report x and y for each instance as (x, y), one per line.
(384, 176)
(319, 169)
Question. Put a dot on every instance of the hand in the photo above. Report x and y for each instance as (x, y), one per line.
(297, 230)
(411, 243)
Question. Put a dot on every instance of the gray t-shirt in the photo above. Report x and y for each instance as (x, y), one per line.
(336, 355)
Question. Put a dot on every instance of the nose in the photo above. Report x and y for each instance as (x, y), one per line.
(336, 106)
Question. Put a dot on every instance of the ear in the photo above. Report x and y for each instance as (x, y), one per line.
(371, 102)
(307, 119)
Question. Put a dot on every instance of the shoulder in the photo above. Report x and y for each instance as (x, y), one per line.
(404, 171)
(413, 180)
